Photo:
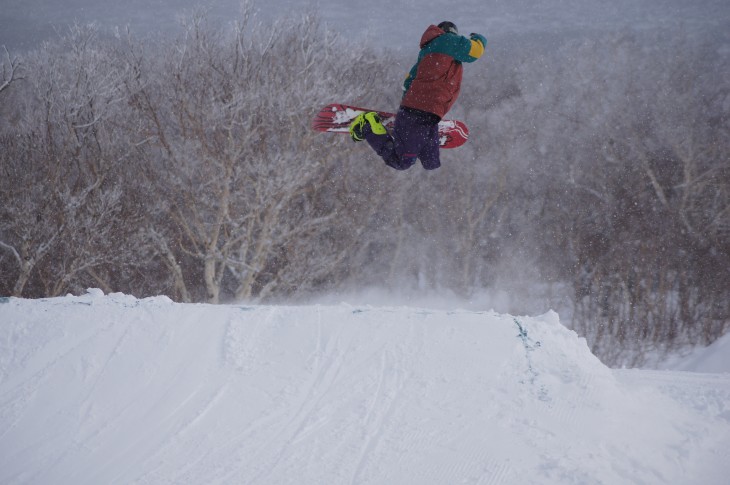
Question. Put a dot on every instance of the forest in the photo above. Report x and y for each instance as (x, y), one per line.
(596, 181)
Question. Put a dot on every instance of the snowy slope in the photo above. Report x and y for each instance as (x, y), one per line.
(712, 359)
(111, 389)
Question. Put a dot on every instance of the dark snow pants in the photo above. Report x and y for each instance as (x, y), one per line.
(415, 135)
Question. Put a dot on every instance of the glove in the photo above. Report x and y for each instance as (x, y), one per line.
(479, 38)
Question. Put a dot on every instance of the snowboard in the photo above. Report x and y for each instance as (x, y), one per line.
(336, 118)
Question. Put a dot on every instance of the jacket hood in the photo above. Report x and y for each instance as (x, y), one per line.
(431, 33)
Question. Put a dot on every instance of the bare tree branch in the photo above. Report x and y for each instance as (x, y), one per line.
(9, 68)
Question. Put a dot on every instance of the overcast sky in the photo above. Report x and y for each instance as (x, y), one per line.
(24, 23)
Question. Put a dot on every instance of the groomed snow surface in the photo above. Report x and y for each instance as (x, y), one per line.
(110, 389)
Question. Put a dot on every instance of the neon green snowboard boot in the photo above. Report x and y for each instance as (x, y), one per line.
(366, 121)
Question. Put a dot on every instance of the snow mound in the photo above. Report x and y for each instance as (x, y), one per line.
(114, 389)
(714, 358)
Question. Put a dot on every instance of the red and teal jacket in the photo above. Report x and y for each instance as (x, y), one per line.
(434, 82)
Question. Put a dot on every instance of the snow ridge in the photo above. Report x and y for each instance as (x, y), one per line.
(113, 389)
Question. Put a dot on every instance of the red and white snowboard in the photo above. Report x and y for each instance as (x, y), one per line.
(336, 118)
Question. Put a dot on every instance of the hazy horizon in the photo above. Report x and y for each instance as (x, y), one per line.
(24, 24)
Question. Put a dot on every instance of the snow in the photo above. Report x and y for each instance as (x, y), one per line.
(712, 359)
(114, 389)
(715, 358)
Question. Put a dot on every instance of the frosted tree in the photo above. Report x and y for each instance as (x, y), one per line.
(8, 70)
(62, 200)
(238, 167)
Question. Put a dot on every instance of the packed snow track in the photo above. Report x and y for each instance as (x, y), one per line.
(113, 389)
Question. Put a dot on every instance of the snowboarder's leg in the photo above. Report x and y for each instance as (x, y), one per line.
(390, 149)
(429, 154)
(415, 136)
(367, 127)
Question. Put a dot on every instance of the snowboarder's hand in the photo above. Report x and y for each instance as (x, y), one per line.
(479, 38)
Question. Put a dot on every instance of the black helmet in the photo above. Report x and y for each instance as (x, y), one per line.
(448, 27)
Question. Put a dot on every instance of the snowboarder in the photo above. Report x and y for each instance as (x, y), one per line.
(430, 89)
